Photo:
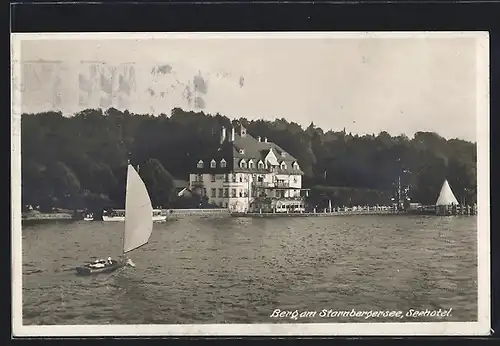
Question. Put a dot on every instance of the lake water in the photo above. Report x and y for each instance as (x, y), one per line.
(239, 270)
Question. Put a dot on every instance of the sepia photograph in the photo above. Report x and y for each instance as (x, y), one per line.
(250, 184)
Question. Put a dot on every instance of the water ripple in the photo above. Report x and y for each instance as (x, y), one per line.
(238, 270)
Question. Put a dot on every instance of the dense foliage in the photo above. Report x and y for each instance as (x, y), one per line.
(80, 161)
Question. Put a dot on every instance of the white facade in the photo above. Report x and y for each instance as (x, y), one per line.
(238, 191)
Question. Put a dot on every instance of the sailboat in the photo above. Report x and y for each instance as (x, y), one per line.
(138, 226)
(446, 196)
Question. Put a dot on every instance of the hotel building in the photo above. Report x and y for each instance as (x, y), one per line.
(247, 174)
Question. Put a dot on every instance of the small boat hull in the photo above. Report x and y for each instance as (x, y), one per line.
(113, 218)
(156, 218)
(87, 270)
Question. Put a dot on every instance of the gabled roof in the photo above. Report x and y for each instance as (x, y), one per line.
(179, 183)
(259, 150)
(253, 149)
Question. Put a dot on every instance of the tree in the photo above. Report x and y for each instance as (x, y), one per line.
(159, 182)
(67, 159)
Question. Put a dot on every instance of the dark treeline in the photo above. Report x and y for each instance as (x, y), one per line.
(80, 161)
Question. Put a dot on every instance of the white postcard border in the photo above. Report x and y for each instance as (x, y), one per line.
(482, 327)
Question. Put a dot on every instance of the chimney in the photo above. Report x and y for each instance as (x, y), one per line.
(243, 131)
(232, 134)
(223, 135)
(265, 139)
(259, 139)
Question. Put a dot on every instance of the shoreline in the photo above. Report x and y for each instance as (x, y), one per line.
(49, 217)
(176, 213)
(323, 214)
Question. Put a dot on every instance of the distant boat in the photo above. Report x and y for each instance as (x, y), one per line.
(119, 215)
(138, 226)
(446, 196)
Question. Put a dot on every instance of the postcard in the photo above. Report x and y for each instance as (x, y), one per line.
(232, 184)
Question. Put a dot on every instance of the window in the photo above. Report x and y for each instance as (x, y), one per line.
(294, 179)
(283, 165)
(199, 164)
(243, 163)
(261, 165)
(226, 178)
(204, 191)
(241, 179)
(295, 165)
(241, 193)
(213, 164)
(234, 177)
(242, 151)
(251, 164)
(225, 205)
(199, 177)
(222, 163)
(226, 192)
(221, 193)
(214, 192)
(212, 178)
(283, 154)
(233, 192)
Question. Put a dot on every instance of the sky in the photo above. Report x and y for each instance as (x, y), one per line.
(365, 85)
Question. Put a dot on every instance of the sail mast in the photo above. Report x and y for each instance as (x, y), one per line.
(126, 196)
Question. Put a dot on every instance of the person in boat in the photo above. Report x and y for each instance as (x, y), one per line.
(97, 264)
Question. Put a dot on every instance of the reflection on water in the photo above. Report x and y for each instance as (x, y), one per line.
(239, 270)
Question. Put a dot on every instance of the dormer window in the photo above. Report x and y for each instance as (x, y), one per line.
(213, 164)
(283, 165)
(261, 165)
(242, 151)
(295, 165)
(283, 154)
(199, 164)
(243, 164)
(222, 163)
(251, 164)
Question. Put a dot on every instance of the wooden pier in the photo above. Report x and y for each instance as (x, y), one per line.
(312, 214)
(456, 209)
(322, 213)
(191, 212)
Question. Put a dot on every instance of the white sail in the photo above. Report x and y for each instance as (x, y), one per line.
(138, 212)
(446, 196)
